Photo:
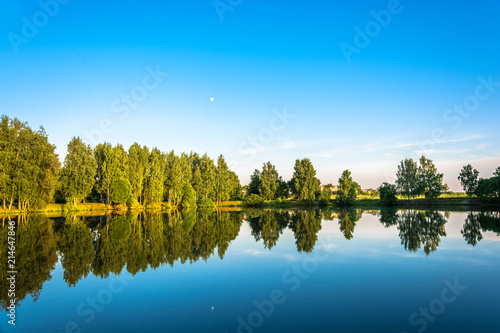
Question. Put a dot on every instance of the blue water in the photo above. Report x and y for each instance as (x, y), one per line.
(369, 283)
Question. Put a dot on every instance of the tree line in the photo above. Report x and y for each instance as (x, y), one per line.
(32, 176)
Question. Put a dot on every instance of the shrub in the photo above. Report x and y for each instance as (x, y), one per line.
(324, 198)
(254, 200)
(132, 202)
(120, 190)
(387, 194)
(188, 197)
(206, 203)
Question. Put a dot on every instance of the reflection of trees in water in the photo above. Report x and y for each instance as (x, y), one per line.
(35, 257)
(305, 225)
(477, 222)
(104, 245)
(76, 248)
(269, 226)
(471, 229)
(421, 228)
(347, 221)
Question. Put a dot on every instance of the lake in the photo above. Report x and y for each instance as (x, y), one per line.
(256, 271)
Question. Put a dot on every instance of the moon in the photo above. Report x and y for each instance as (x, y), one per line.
(211, 99)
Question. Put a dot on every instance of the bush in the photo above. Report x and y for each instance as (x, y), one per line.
(324, 198)
(254, 200)
(206, 203)
(188, 197)
(132, 202)
(387, 194)
(120, 190)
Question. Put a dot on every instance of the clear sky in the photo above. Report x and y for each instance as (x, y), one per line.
(357, 86)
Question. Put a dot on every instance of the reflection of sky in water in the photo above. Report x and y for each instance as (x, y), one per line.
(367, 284)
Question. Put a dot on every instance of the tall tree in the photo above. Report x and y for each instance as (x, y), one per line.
(155, 179)
(222, 180)
(347, 191)
(468, 177)
(208, 173)
(431, 182)
(407, 179)
(269, 182)
(78, 172)
(253, 187)
(137, 169)
(106, 170)
(305, 185)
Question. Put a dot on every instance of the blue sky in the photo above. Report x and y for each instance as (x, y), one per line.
(399, 95)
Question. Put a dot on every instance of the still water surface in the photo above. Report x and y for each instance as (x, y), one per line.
(257, 271)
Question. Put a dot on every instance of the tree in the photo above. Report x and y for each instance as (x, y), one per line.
(78, 173)
(253, 187)
(468, 177)
(137, 169)
(305, 185)
(222, 180)
(29, 167)
(188, 197)
(407, 180)
(431, 182)
(177, 175)
(387, 193)
(497, 172)
(268, 182)
(106, 170)
(120, 190)
(208, 172)
(254, 200)
(347, 193)
(324, 197)
(155, 178)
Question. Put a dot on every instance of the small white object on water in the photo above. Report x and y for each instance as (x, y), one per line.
(212, 308)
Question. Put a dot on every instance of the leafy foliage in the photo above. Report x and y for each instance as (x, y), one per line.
(120, 190)
(387, 194)
(254, 200)
(468, 177)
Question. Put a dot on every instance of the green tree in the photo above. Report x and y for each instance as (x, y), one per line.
(78, 173)
(269, 182)
(305, 185)
(253, 187)
(120, 190)
(106, 170)
(468, 177)
(155, 178)
(431, 182)
(347, 193)
(497, 172)
(407, 180)
(387, 193)
(208, 173)
(188, 197)
(254, 200)
(222, 180)
(137, 169)
(30, 168)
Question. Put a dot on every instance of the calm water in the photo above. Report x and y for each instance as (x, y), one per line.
(257, 271)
